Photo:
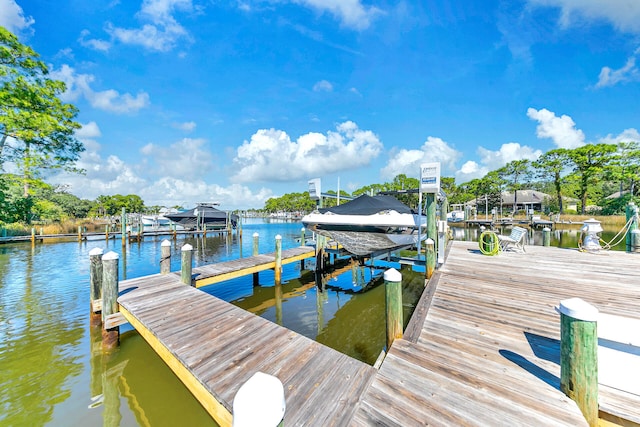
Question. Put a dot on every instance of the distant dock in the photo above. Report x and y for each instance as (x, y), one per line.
(482, 347)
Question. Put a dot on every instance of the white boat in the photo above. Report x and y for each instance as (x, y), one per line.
(455, 216)
(367, 224)
(155, 221)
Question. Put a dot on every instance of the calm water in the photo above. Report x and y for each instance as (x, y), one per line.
(54, 373)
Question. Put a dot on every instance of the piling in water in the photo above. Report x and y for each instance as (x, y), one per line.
(393, 304)
(165, 257)
(95, 285)
(110, 337)
(187, 258)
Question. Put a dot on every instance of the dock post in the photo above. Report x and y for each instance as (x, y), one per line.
(303, 241)
(165, 257)
(579, 355)
(41, 231)
(33, 236)
(393, 304)
(110, 337)
(259, 401)
(546, 236)
(187, 257)
(430, 206)
(278, 269)
(79, 234)
(635, 240)
(95, 284)
(631, 212)
(431, 257)
(123, 225)
(256, 239)
(106, 232)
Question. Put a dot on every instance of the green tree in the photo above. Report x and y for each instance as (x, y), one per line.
(590, 162)
(626, 166)
(515, 173)
(549, 167)
(36, 127)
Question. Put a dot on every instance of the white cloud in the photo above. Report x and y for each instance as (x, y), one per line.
(271, 155)
(161, 32)
(408, 162)
(629, 72)
(95, 44)
(109, 100)
(352, 13)
(624, 15)
(185, 126)
(181, 159)
(628, 135)
(13, 19)
(323, 86)
(88, 131)
(177, 186)
(492, 160)
(561, 129)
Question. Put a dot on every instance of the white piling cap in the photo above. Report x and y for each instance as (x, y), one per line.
(259, 402)
(110, 256)
(165, 242)
(95, 251)
(187, 247)
(546, 229)
(578, 309)
(429, 241)
(392, 275)
(256, 234)
(278, 237)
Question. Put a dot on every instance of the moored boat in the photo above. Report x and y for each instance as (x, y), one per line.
(366, 224)
(204, 214)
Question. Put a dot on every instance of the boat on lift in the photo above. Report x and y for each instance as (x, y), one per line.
(203, 215)
(367, 224)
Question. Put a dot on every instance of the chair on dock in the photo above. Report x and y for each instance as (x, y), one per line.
(514, 240)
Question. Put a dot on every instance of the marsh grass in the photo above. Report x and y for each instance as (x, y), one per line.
(61, 227)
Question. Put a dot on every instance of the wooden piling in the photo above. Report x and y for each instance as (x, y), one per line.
(110, 337)
(393, 304)
(33, 236)
(579, 355)
(95, 286)
(106, 232)
(546, 236)
(631, 212)
(79, 234)
(187, 258)
(303, 241)
(256, 246)
(278, 268)
(165, 257)
(123, 225)
(431, 257)
(430, 207)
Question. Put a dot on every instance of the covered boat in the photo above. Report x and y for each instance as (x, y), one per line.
(367, 224)
(203, 214)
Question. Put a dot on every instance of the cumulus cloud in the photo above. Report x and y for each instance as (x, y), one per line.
(628, 135)
(323, 86)
(352, 13)
(161, 31)
(185, 126)
(271, 155)
(95, 44)
(491, 160)
(561, 130)
(13, 19)
(624, 15)
(176, 186)
(629, 72)
(79, 85)
(408, 162)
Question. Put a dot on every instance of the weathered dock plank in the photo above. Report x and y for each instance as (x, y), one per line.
(214, 347)
(486, 349)
(219, 272)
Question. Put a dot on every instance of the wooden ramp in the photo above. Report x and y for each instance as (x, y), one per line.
(215, 347)
(219, 272)
(483, 347)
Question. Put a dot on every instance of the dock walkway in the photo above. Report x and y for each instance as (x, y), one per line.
(483, 347)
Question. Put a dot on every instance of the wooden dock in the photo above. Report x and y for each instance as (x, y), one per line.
(219, 272)
(482, 347)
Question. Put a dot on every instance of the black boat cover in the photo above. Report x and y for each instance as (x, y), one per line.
(367, 205)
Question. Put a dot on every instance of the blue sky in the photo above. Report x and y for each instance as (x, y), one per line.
(186, 101)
